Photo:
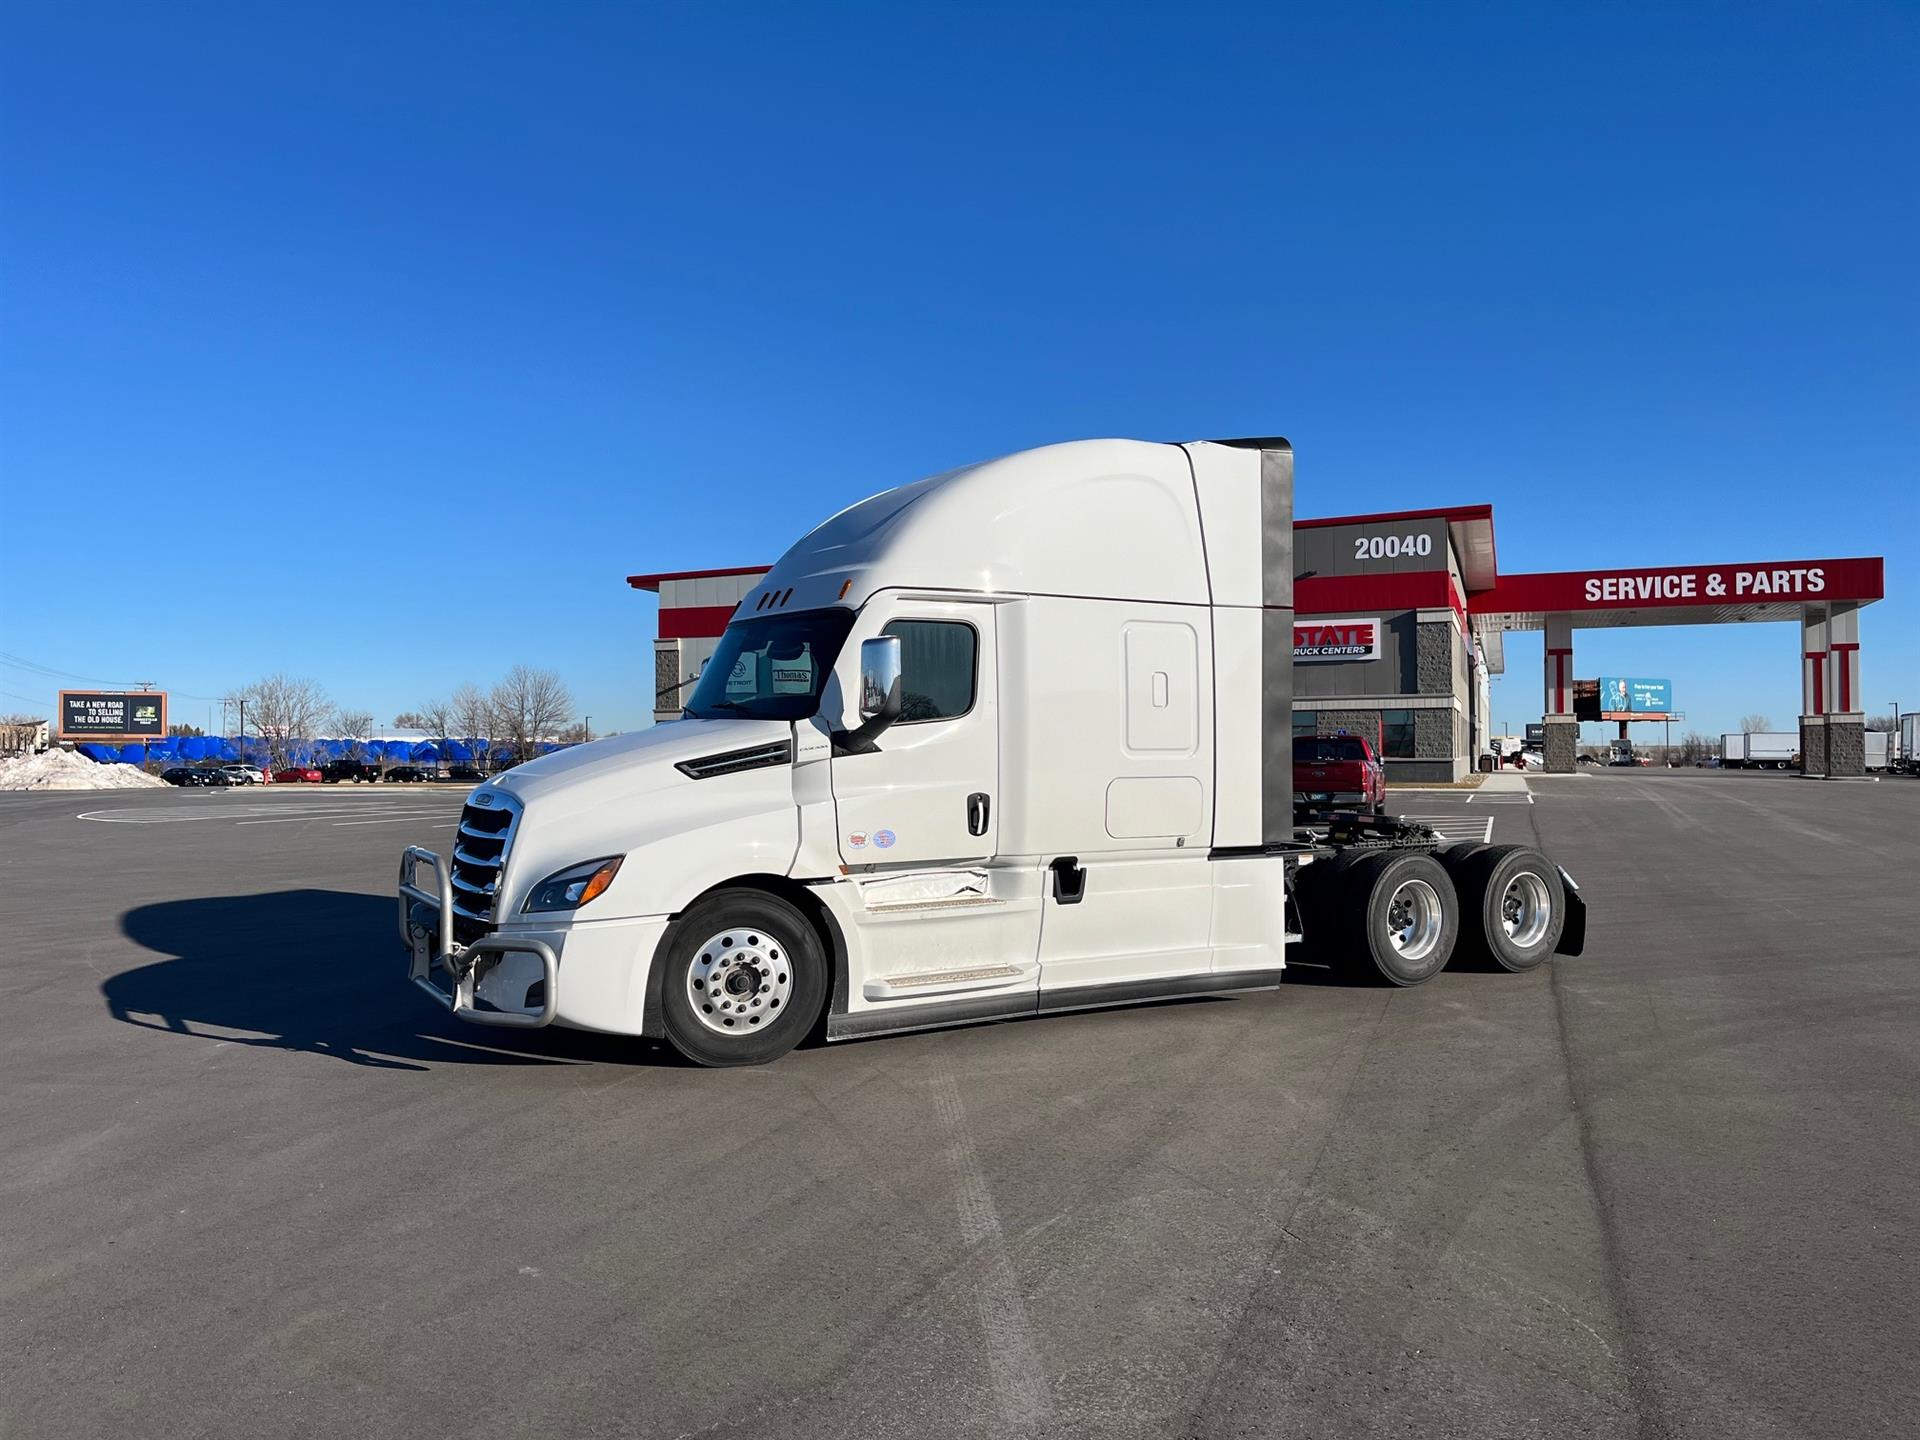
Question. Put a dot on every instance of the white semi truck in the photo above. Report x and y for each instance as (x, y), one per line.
(1009, 740)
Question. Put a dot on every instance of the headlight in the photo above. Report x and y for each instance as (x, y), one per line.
(573, 887)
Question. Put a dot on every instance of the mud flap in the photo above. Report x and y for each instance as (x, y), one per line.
(1573, 933)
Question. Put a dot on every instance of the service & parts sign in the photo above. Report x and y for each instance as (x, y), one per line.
(1353, 639)
(113, 714)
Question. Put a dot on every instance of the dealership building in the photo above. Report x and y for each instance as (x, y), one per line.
(1400, 621)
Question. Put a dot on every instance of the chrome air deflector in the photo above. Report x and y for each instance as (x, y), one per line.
(730, 762)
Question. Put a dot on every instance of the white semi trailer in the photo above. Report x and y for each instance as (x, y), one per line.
(1760, 750)
(1012, 739)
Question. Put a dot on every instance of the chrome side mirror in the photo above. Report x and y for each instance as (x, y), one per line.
(880, 696)
(880, 679)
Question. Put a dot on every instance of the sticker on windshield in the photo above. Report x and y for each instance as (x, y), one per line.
(883, 838)
(858, 839)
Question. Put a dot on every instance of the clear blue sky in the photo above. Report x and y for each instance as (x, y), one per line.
(379, 343)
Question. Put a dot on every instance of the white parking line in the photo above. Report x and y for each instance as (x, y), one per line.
(1457, 827)
(391, 819)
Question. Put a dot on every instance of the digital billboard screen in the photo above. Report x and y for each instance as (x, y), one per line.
(1625, 696)
(113, 714)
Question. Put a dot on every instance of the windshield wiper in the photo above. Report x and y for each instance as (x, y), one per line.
(718, 705)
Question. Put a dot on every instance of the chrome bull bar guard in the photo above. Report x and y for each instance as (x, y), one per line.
(464, 964)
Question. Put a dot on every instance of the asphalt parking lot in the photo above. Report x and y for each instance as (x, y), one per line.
(255, 1185)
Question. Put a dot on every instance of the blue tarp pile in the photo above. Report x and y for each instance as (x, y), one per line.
(252, 750)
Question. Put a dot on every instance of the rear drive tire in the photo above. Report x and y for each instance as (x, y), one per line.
(1401, 915)
(744, 979)
(1514, 906)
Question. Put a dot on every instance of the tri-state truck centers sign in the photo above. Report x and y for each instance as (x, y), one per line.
(113, 714)
(1352, 639)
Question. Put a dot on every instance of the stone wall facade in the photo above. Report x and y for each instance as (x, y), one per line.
(1846, 746)
(1433, 734)
(1561, 747)
(1434, 674)
(1813, 744)
(1354, 722)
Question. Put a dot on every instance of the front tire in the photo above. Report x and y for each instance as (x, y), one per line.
(744, 979)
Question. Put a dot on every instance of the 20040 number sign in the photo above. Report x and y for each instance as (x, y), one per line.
(1387, 547)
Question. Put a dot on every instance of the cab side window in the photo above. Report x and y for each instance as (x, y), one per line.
(937, 665)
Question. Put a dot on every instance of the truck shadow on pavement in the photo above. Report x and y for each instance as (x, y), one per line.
(318, 971)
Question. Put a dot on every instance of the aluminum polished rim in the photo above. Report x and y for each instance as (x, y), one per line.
(1413, 919)
(739, 980)
(1525, 909)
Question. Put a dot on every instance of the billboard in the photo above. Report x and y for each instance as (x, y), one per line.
(1318, 639)
(113, 714)
(1626, 698)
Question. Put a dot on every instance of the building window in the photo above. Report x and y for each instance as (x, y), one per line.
(1306, 722)
(1398, 725)
(936, 668)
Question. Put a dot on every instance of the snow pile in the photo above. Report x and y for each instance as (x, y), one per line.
(68, 770)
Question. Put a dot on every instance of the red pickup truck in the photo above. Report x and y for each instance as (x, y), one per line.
(1337, 772)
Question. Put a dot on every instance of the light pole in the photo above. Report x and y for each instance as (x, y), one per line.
(590, 729)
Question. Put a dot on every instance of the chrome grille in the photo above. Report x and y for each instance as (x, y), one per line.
(479, 857)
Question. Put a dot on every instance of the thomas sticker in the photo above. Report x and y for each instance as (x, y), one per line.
(884, 839)
(858, 840)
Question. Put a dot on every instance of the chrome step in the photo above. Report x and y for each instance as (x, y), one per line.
(943, 982)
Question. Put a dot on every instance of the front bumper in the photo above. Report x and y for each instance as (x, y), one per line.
(1330, 800)
(512, 976)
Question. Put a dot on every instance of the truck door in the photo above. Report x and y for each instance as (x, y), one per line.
(943, 920)
(929, 794)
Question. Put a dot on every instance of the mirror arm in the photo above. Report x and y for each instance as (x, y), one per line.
(860, 741)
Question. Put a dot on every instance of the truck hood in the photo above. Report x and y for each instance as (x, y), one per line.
(623, 796)
(624, 766)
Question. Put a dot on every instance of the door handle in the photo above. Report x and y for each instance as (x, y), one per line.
(978, 808)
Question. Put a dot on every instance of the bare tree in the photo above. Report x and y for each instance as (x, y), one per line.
(436, 717)
(1881, 722)
(280, 710)
(576, 734)
(470, 714)
(357, 726)
(530, 706)
(1754, 724)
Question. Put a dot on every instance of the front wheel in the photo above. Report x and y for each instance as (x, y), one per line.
(745, 977)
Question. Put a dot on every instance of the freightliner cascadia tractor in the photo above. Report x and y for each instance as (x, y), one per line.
(1009, 740)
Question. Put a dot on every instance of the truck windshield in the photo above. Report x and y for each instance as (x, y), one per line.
(1326, 750)
(771, 667)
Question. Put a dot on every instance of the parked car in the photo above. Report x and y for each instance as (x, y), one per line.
(409, 775)
(466, 772)
(297, 775)
(245, 774)
(1589, 759)
(334, 771)
(184, 775)
(1337, 772)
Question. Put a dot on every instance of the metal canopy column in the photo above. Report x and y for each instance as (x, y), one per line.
(1813, 690)
(1563, 731)
(1846, 712)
